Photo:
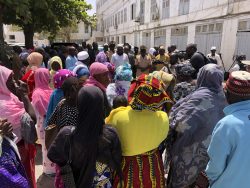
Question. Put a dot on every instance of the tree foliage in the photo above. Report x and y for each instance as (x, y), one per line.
(43, 15)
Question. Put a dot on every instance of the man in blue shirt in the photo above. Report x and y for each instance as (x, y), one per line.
(71, 59)
(229, 148)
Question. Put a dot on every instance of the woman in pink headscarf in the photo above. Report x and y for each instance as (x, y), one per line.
(99, 77)
(40, 100)
(15, 106)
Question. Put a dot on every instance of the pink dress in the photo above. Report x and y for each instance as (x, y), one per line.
(48, 166)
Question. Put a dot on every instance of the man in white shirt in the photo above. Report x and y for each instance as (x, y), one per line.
(119, 58)
(216, 57)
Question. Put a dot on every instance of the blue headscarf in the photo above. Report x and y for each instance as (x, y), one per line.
(123, 73)
(82, 71)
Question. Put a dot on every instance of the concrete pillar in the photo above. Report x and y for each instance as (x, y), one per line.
(152, 39)
(228, 41)
(140, 39)
(191, 34)
(168, 37)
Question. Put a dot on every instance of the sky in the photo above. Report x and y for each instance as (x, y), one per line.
(93, 3)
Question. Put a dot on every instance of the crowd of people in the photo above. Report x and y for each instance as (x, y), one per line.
(124, 117)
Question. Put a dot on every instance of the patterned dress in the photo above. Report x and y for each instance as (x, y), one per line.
(182, 90)
(103, 176)
(145, 170)
(12, 173)
(63, 115)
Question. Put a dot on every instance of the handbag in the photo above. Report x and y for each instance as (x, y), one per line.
(66, 171)
(50, 134)
(28, 129)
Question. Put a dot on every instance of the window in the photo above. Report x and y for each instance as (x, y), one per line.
(184, 7)
(12, 37)
(121, 16)
(218, 27)
(133, 11)
(242, 25)
(142, 11)
(165, 9)
(179, 31)
(204, 28)
(153, 9)
(209, 28)
(124, 39)
(116, 21)
(86, 28)
(125, 15)
(117, 40)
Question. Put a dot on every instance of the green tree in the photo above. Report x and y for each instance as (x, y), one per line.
(15, 9)
(21, 11)
(92, 22)
(47, 15)
(64, 33)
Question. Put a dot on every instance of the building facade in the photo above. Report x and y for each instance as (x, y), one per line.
(14, 35)
(221, 23)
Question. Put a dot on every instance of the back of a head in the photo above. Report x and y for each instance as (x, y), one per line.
(40, 50)
(120, 101)
(237, 87)
(87, 134)
(17, 49)
(192, 45)
(90, 103)
(112, 44)
(142, 47)
(71, 84)
(127, 46)
(210, 76)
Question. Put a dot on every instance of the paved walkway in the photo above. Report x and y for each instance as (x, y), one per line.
(43, 181)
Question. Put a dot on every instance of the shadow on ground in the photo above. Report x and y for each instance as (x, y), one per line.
(43, 180)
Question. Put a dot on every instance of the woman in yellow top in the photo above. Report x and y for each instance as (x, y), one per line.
(141, 127)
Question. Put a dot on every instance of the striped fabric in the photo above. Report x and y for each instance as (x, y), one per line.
(142, 171)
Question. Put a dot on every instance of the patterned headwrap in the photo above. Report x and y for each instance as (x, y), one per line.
(123, 73)
(147, 92)
(101, 57)
(60, 76)
(239, 83)
(184, 69)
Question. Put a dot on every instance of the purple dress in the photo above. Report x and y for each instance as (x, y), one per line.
(12, 173)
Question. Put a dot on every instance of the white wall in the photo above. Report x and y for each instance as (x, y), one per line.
(81, 35)
(200, 12)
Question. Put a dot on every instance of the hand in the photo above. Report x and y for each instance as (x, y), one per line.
(22, 89)
(5, 128)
